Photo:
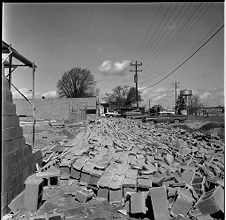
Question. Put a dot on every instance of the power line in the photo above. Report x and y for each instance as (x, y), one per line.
(197, 44)
(163, 33)
(186, 59)
(186, 28)
(163, 17)
(179, 34)
(156, 15)
(175, 33)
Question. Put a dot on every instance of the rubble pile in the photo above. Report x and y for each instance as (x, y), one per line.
(156, 171)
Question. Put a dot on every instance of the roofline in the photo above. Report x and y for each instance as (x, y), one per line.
(6, 48)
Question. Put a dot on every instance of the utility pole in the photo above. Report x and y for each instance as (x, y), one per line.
(175, 88)
(149, 103)
(136, 78)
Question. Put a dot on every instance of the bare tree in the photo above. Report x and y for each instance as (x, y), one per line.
(195, 105)
(122, 97)
(76, 82)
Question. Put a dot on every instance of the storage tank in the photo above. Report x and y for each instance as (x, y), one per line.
(186, 92)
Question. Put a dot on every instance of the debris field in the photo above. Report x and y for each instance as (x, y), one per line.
(154, 171)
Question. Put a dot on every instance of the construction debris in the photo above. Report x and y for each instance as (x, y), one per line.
(158, 171)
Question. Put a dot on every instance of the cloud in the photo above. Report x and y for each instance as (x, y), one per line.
(50, 94)
(159, 97)
(205, 95)
(142, 88)
(108, 67)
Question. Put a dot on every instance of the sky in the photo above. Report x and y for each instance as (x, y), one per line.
(105, 38)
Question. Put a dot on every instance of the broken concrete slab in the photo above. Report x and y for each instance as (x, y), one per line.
(212, 201)
(159, 203)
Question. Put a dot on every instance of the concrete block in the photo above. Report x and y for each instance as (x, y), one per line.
(183, 203)
(159, 203)
(95, 176)
(105, 179)
(18, 143)
(86, 172)
(212, 201)
(7, 183)
(18, 132)
(65, 169)
(102, 192)
(115, 194)
(16, 121)
(7, 121)
(51, 175)
(138, 203)
(25, 173)
(131, 173)
(144, 183)
(82, 196)
(10, 170)
(28, 151)
(5, 83)
(76, 169)
(33, 193)
(8, 134)
(17, 203)
(6, 95)
(8, 108)
(7, 146)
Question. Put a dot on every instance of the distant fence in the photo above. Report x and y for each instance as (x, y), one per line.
(50, 109)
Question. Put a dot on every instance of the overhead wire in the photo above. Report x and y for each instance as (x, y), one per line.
(173, 71)
(156, 29)
(164, 34)
(185, 22)
(148, 31)
(180, 21)
(188, 26)
(212, 29)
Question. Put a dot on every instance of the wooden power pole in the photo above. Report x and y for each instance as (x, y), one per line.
(175, 88)
(136, 78)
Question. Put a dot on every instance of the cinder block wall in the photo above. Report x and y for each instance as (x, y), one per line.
(18, 160)
(52, 108)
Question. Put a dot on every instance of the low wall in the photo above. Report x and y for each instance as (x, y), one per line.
(50, 109)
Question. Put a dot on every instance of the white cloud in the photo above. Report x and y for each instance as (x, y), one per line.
(159, 97)
(50, 94)
(109, 67)
(205, 95)
(142, 88)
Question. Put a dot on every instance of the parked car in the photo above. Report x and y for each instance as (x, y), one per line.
(165, 117)
(112, 114)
